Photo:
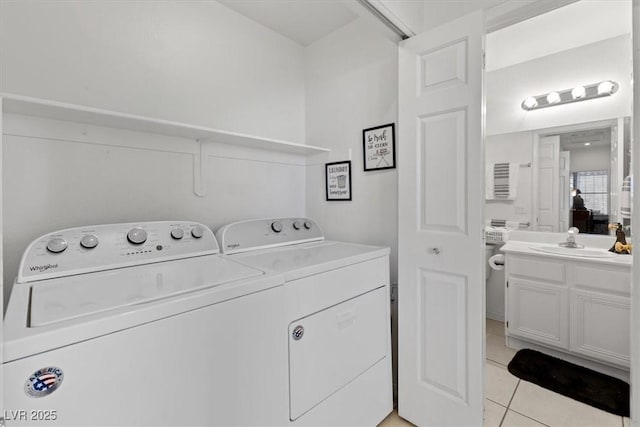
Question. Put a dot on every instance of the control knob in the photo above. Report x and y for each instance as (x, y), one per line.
(297, 225)
(57, 245)
(307, 225)
(276, 226)
(137, 236)
(89, 241)
(197, 232)
(177, 233)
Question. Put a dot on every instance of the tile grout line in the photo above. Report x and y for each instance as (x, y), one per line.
(496, 362)
(519, 413)
(497, 403)
(527, 416)
(509, 404)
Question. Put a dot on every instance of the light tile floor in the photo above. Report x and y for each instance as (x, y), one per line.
(511, 402)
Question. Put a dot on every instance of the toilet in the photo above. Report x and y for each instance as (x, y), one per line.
(494, 280)
(488, 253)
(495, 237)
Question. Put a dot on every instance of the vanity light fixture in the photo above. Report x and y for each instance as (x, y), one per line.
(578, 93)
(606, 88)
(553, 98)
(530, 103)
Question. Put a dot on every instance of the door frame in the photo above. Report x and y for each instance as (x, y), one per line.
(508, 14)
(635, 221)
(2, 408)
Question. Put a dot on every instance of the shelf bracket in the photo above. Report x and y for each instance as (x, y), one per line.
(199, 167)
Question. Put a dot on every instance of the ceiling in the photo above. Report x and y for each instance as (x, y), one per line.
(594, 137)
(302, 21)
(578, 24)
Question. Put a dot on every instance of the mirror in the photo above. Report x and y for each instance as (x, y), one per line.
(549, 145)
(571, 176)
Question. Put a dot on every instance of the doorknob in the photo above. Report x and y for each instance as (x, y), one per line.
(435, 251)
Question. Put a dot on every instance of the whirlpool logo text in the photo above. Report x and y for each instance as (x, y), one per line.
(41, 268)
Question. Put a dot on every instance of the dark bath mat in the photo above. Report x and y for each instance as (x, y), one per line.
(584, 385)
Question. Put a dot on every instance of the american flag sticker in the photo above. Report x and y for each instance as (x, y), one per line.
(44, 381)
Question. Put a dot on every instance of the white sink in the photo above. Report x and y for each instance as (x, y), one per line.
(579, 252)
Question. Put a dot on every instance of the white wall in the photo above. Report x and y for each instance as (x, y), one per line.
(195, 62)
(568, 27)
(508, 148)
(590, 159)
(59, 175)
(513, 148)
(439, 12)
(408, 14)
(506, 88)
(351, 80)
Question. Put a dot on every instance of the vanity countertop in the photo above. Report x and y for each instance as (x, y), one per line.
(525, 248)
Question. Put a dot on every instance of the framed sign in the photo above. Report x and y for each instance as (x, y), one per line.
(338, 180)
(378, 147)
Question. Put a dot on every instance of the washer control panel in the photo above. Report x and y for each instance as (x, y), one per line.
(104, 247)
(256, 234)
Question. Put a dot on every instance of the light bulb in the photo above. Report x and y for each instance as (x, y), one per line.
(553, 98)
(586, 144)
(578, 92)
(605, 88)
(530, 102)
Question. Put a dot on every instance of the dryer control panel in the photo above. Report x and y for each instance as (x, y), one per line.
(257, 234)
(103, 247)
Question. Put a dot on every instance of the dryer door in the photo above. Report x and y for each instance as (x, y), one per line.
(330, 348)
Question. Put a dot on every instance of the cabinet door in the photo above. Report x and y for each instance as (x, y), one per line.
(600, 326)
(538, 311)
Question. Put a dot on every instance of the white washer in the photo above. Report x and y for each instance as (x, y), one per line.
(142, 324)
(337, 310)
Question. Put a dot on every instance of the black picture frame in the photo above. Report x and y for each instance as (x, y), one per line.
(336, 177)
(379, 147)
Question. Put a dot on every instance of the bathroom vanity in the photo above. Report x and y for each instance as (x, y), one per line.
(576, 306)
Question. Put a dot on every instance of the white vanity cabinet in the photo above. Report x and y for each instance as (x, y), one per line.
(575, 305)
(537, 300)
(600, 308)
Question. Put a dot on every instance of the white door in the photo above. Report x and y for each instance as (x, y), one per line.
(565, 190)
(547, 212)
(441, 251)
(2, 408)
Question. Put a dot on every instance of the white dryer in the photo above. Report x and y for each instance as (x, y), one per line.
(337, 311)
(142, 324)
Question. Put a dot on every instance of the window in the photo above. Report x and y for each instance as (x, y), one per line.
(594, 188)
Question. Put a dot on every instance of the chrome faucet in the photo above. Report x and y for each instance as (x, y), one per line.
(571, 239)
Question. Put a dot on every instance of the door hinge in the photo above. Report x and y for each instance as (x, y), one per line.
(484, 60)
(507, 324)
(507, 283)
